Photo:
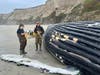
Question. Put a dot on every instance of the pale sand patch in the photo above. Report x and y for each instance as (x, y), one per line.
(9, 44)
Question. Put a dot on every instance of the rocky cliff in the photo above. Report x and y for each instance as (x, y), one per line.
(88, 11)
(53, 11)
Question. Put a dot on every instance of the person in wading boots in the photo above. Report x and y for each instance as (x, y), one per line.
(39, 31)
(22, 39)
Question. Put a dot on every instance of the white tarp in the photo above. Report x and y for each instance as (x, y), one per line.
(36, 64)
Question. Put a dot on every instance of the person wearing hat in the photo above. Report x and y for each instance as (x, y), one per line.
(39, 31)
(22, 39)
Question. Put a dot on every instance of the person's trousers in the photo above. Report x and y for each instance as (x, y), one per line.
(22, 46)
(38, 42)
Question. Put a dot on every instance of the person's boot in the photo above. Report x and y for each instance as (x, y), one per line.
(21, 52)
(40, 48)
(25, 52)
(36, 47)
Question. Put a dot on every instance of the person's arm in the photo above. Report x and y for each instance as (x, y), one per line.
(35, 30)
(42, 30)
(22, 32)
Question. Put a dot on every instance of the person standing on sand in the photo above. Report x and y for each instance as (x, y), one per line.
(22, 39)
(39, 31)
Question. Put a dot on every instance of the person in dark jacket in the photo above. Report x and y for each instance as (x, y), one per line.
(22, 39)
(39, 31)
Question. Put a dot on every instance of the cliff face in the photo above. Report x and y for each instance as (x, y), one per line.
(88, 11)
(39, 13)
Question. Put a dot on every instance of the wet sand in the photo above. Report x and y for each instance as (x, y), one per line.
(9, 44)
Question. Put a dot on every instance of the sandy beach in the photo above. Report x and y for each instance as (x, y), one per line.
(9, 44)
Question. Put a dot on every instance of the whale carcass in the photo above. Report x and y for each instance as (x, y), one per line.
(77, 44)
